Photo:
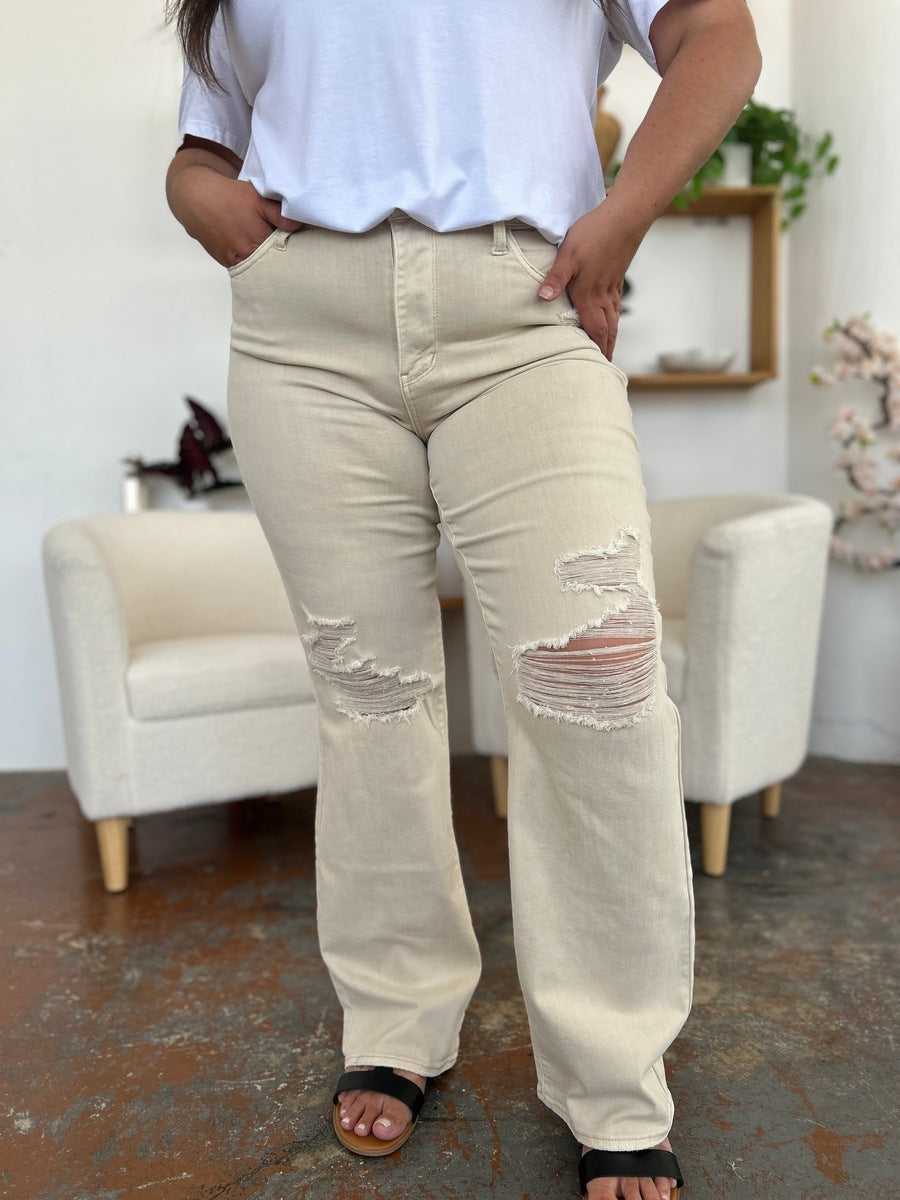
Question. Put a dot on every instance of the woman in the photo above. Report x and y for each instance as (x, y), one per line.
(426, 289)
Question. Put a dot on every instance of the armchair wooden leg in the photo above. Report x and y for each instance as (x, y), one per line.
(500, 782)
(771, 800)
(112, 841)
(715, 823)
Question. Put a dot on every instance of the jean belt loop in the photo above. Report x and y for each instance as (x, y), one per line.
(501, 241)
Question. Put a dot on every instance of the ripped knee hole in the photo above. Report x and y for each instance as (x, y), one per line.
(602, 674)
(365, 691)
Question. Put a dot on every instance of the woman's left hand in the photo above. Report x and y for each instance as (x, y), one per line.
(591, 266)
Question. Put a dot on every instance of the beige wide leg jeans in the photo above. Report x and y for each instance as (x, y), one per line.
(381, 382)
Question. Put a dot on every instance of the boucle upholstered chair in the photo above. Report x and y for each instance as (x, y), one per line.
(182, 677)
(740, 583)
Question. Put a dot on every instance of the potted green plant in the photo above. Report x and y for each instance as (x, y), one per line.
(781, 153)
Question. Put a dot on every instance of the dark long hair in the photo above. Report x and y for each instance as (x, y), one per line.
(194, 19)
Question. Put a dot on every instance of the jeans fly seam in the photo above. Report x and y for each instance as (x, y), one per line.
(407, 378)
(415, 378)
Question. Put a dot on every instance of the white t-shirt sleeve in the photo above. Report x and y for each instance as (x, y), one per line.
(220, 114)
(637, 16)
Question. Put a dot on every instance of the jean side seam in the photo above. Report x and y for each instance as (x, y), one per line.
(688, 872)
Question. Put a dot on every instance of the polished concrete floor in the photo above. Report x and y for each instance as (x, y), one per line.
(180, 1041)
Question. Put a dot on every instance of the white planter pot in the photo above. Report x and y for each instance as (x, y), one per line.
(738, 164)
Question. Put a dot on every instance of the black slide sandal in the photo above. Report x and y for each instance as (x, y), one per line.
(629, 1164)
(384, 1081)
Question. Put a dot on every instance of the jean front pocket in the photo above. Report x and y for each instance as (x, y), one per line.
(277, 238)
(531, 249)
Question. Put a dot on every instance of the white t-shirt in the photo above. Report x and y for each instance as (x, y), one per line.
(457, 112)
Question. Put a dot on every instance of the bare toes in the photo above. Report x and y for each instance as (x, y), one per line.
(602, 1189)
(371, 1110)
(352, 1106)
(627, 1188)
(392, 1120)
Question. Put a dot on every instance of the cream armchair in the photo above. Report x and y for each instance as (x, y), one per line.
(182, 677)
(740, 583)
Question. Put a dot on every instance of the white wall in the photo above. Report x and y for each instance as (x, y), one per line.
(846, 250)
(110, 313)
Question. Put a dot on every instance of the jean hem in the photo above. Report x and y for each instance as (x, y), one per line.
(594, 1141)
(380, 1058)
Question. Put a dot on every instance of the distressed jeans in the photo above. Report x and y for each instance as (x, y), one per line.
(381, 382)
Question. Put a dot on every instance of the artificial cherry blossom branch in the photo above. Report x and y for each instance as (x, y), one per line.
(874, 357)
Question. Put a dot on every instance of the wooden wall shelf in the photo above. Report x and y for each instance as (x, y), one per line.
(763, 206)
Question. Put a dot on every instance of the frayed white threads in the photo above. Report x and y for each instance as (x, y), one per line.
(602, 569)
(603, 674)
(366, 692)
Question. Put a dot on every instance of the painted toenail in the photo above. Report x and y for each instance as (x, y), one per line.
(346, 1122)
(384, 1122)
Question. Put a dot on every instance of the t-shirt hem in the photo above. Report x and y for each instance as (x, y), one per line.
(214, 133)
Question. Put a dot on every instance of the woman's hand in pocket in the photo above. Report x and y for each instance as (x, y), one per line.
(591, 266)
(228, 217)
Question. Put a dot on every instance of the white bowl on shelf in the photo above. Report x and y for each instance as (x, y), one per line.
(696, 359)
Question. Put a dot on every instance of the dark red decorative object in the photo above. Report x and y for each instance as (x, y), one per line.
(194, 470)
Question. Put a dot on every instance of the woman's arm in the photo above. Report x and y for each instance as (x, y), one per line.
(227, 217)
(707, 53)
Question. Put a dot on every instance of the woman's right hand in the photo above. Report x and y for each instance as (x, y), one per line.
(228, 217)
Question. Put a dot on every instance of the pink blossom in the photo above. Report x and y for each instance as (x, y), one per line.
(852, 510)
(841, 431)
(863, 430)
(871, 368)
(842, 550)
(864, 475)
(865, 354)
(879, 561)
(884, 345)
(860, 327)
(884, 558)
